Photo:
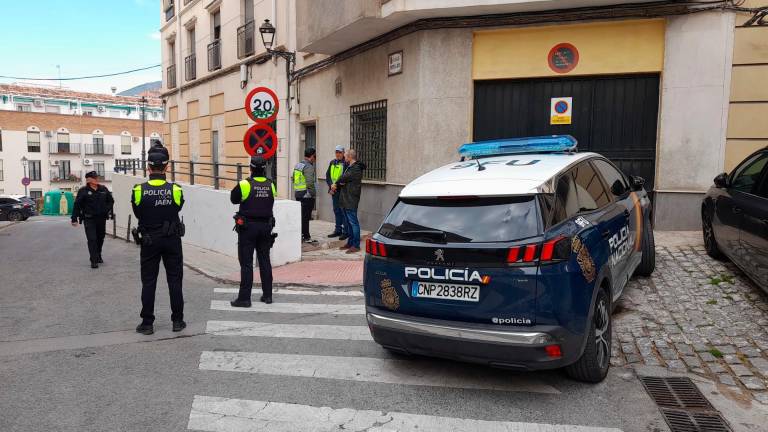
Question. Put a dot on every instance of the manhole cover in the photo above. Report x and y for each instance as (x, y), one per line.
(683, 406)
(687, 421)
(675, 392)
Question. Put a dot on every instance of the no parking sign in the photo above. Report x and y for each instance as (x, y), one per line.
(561, 111)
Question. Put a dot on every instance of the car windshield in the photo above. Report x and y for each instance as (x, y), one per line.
(471, 220)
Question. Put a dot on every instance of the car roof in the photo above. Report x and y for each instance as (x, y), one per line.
(520, 174)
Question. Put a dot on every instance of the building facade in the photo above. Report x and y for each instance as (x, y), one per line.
(213, 56)
(669, 91)
(54, 136)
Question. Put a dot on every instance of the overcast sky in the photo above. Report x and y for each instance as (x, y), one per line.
(84, 37)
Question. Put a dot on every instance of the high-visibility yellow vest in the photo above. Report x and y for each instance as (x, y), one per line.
(299, 181)
(336, 170)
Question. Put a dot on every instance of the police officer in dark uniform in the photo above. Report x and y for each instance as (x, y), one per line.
(156, 204)
(92, 207)
(253, 223)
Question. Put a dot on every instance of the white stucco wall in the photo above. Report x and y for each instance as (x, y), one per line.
(694, 101)
(208, 218)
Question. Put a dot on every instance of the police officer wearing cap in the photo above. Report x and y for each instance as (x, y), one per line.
(93, 206)
(253, 223)
(156, 204)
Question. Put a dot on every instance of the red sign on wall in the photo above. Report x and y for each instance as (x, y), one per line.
(563, 58)
(260, 140)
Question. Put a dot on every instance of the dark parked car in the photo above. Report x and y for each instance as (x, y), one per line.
(14, 209)
(734, 217)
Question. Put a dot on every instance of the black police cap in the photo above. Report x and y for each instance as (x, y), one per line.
(91, 174)
(258, 162)
(157, 156)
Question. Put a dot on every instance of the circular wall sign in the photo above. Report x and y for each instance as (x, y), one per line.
(260, 140)
(561, 107)
(563, 58)
(26, 181)
(262, 104)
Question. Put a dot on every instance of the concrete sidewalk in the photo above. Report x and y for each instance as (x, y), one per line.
(322, 264)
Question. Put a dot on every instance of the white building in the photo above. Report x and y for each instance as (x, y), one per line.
(54, 136)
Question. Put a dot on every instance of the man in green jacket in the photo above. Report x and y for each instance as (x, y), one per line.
(349, 187)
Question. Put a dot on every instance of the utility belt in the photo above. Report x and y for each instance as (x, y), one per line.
(143, 235)
(242, 222)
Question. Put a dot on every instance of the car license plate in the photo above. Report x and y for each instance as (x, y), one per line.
(437, 290)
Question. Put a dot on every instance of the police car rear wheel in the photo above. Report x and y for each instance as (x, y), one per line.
(648, 262)
(709, 236)
(14, 216)
(595, 361)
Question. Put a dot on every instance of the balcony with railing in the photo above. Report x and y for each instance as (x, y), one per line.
(171, 76)
(98, 149)
(170, 10)
(245, 40)
(64, 175)
(214, 55)
(61, 148)
(190, 67)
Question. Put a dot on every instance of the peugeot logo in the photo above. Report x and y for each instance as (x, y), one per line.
(440, 255)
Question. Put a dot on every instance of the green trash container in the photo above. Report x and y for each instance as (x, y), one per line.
(57, 202)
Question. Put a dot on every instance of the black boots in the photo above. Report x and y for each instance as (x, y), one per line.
(240, 303)
(266, 299)
(179, 326)
(145, 329)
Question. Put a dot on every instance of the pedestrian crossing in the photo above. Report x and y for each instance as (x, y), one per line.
(297, 315)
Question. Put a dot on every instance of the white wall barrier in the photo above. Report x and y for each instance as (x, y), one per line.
(208, 218)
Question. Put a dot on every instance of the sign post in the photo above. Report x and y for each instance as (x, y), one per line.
(261, 105)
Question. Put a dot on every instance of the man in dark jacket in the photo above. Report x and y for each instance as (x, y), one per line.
(349, 187)
(92, 207)
(335, 170)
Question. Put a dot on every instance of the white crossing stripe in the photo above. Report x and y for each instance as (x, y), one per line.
(262, 329)
(215, 414)
(287, 291)
(366, 369)
(293, 308)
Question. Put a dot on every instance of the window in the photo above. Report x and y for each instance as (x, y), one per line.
(34, 173)
(589, 188)
(99, 168)
(98, 144)
(368, 136)
(216, 23)
(2, 173)
(64, 171)
(748, 173)
(24, 107)
(37, 195)
(1, 140)
(615, 180)
(566, 201)
(62, 138)
(53, 109)
(125, 144)
(33, 142)
(483, 220)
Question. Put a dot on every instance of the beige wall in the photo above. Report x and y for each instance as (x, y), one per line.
(747, 125)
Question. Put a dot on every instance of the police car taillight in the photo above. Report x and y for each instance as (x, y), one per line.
(552, 250)
(375, 248)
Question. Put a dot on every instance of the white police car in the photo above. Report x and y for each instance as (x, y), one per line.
(512, 257)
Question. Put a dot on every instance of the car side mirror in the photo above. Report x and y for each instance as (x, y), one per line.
(637, 183)
(617, 188)
(721, 180)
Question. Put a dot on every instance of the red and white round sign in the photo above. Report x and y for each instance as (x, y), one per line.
(260, 140)
(262, 104)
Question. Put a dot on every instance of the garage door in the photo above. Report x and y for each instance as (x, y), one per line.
(615, 116)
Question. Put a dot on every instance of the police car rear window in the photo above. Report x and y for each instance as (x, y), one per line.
(474, 220)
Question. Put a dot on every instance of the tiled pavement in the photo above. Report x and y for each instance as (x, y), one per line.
(697, 315)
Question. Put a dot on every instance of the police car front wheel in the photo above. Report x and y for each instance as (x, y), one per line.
(594, 362)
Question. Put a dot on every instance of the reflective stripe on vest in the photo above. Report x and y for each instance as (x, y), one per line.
(137, 194)
(299, 181)
(177, 194)
(245, 188)
(336, 170)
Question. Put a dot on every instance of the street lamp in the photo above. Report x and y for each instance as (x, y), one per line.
(268, 31)
(24, 163)
(143, 102)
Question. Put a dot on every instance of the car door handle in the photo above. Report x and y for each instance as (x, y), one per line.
(606, 234)
(736, 210)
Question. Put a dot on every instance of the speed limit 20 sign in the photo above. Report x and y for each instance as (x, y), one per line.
(262, 104)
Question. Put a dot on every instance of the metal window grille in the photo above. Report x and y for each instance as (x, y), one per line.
(34, 170)
(214, 55)
(245, 40)
(33, 142)
(368, 136)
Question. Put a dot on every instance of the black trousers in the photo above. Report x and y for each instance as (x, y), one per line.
(255, 236)
(307, 205)
(95, 229)
(167, 249)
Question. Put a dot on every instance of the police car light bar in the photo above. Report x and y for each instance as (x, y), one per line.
(542, 144)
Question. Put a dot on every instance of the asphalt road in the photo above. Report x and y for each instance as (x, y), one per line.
(70, 361)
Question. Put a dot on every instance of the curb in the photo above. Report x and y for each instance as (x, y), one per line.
(9, 225)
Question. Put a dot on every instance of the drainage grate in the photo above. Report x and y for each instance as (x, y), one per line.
(675, 392)
(687, 421)
(683, 406)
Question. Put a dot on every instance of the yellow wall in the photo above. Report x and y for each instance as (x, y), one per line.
(612, 47)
